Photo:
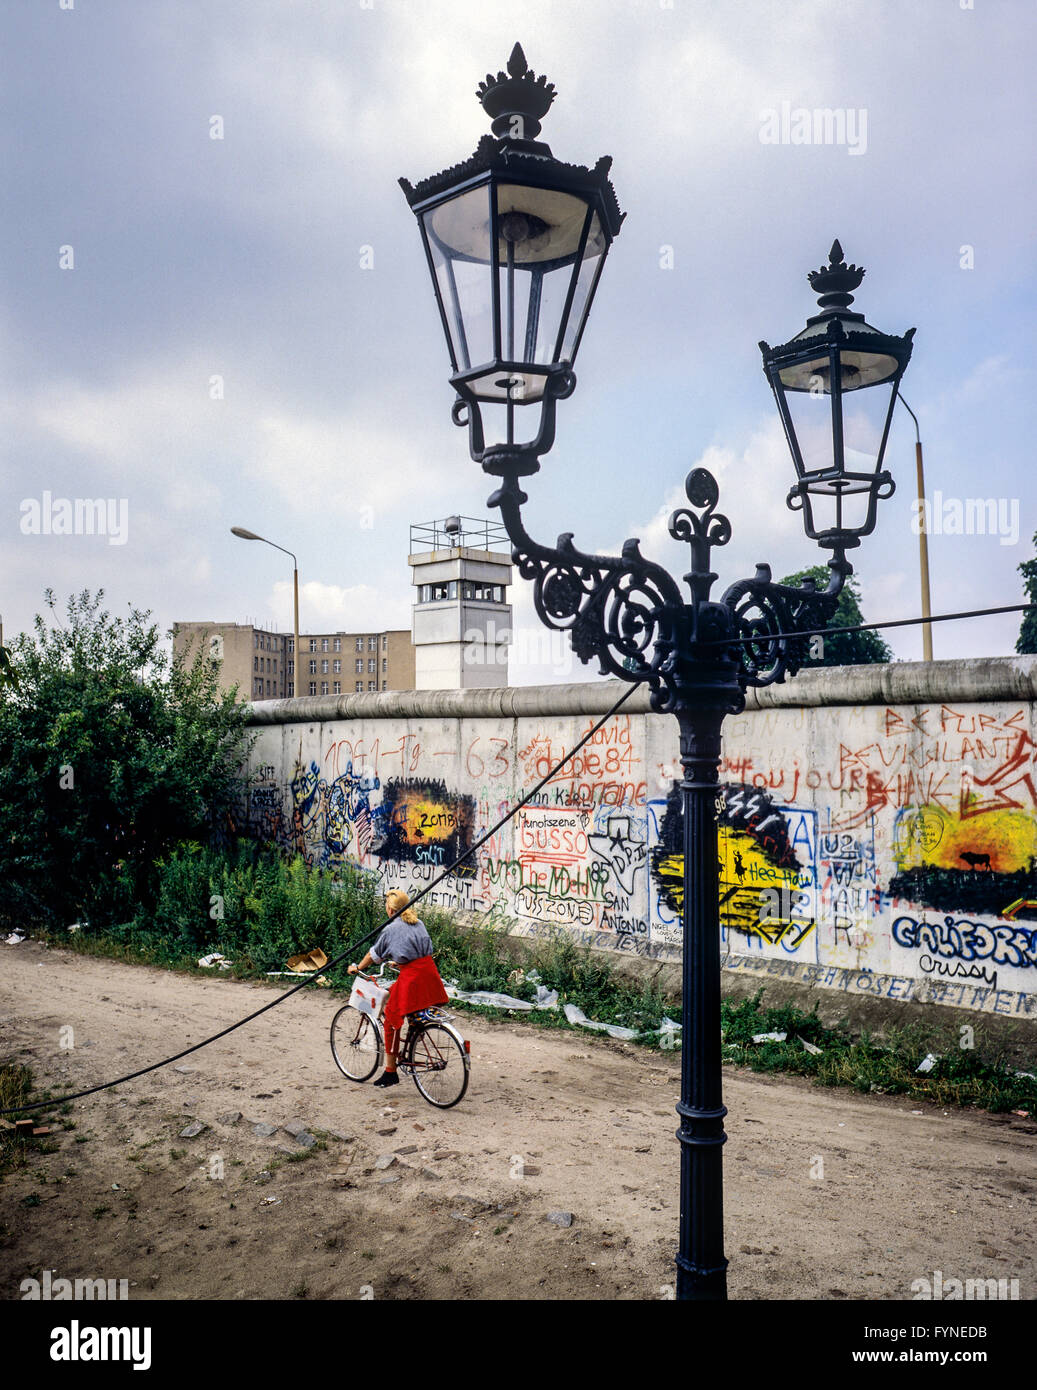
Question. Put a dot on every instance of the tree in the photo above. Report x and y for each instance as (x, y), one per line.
(110, 756)
(1027, 640)
(844, 648)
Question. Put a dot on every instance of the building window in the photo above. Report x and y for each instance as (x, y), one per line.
(275, 665)
(336, 666)
(359, 668)
(336, 689)
(313, 668)
(291, 689)
(371, 664)
(291, 646)
(482, 593)
(385, 685)
(359, 687)
(255, 663)
(360, 644)
(323, 687)
(372, 644)
(324, 668)
(385, 665)
(385, 643)
(313, 644)
(338, 644)
(372, 685)
(313, 687)
(437, 593)
(324, 644)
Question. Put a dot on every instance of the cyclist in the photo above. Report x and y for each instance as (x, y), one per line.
(418, 986)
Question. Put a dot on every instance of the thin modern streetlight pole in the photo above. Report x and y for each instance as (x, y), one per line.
(245, 535)
(923, 538)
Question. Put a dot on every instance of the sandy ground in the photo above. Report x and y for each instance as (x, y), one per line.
(551, 1122)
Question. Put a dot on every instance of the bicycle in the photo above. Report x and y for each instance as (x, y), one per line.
(432, 1052)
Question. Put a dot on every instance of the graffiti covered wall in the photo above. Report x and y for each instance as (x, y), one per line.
(867, 846)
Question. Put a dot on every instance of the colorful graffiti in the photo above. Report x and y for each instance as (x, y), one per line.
(969, 861)
(419, 820)
(766, 892)
(839, 828)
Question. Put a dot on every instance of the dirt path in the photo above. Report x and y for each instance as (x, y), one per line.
(552, 1121)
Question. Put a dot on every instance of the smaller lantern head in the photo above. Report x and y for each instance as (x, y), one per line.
(835, 384)
(515, 242)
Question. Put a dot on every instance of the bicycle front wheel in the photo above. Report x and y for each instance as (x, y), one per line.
(356, 1044)
(439, 1064)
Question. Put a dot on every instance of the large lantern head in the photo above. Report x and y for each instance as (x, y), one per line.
(515, 242)
(836, 384)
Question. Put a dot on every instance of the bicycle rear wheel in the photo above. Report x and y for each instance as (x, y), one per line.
(356, 1044)
(438, 1063)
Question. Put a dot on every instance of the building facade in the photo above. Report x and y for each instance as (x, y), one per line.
(261, 663)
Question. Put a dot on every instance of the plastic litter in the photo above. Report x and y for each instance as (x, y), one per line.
(14, 939)
(546, 998)
(769, 1037)
(576, 1015)
(215, 959)
(489, 999)
(927, 1063)
(810, 1047)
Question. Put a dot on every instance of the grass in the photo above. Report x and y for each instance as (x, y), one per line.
(16, 1088)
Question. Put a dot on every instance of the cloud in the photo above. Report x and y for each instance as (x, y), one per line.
(337, 608)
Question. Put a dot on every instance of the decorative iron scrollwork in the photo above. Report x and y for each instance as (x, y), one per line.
(609, 605)
(628, 613)
(767, 613)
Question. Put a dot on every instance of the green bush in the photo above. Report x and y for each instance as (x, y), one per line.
(250, 903)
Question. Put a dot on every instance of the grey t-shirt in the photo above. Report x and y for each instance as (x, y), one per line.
(403, 942)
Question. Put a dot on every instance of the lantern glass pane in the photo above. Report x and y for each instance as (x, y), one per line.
(839, 509)
(593, 259)
(541, 232)
(811, 414)
(463, 280)
(864, 420)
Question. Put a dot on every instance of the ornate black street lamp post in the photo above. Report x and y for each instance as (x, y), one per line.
(516, 241)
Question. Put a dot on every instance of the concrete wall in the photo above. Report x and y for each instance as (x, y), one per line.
(878, 838)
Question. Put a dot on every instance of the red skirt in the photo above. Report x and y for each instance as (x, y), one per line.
(418, 986)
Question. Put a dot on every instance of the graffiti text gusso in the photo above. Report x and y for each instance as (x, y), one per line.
(966, 940)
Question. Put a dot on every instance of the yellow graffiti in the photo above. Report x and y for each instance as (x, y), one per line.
(745, 874)
(1003, 841)
(423, 821)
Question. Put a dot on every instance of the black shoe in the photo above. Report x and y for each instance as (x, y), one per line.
(388, 1078)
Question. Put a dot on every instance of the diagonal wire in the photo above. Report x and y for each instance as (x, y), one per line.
(764, 637)
(143, 1071)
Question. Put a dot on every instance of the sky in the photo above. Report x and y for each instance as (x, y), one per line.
(209, 332)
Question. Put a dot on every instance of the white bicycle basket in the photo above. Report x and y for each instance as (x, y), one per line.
(368, 998)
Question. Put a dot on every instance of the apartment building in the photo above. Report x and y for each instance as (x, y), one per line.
(261, 663)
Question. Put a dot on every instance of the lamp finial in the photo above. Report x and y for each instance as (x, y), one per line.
(834, 282)
(516, 100)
